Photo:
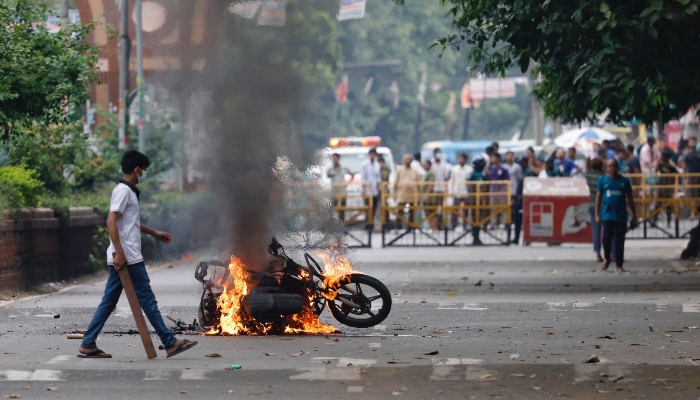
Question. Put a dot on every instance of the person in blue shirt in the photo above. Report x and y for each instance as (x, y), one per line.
(613, 198)
(621, 158)
(564, 164)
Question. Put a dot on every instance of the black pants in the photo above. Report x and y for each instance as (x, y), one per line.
(335, 202)
(375, 203)
(517, 216)
(614, 231)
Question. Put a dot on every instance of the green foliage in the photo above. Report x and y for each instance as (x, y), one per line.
(631, 58)
(41, 72)
(100, 243)
(19, 188)
(405, 33)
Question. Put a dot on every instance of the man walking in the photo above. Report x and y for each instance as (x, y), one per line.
(371, 178)
(125, 228)
(612, 200)
(441, 169)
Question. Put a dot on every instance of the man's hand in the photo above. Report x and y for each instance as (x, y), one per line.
(119, 260)
(163, 236)
(633, 222)
(597, 219)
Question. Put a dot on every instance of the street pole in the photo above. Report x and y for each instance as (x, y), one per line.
(139, 73)
(124, 53)
(64, 11)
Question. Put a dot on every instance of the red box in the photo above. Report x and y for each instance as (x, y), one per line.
(556, 210)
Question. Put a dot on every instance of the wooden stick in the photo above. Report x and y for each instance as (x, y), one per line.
(138, 314)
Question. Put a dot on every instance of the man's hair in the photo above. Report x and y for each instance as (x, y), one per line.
(417, 157)
(509, 152)
(335, 155)
(597, 164)
(606, 142)
(572, 149)
(497, 155)
(428, 162)
(495, 144)
(463, 155)
(436, 150)
(133, 159)
(490, 150)
(620, 150)
(651, 139)
(381, 159)
(372, 151)
(531, 149)
(630, 148)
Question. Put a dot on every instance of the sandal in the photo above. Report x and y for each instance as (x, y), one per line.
(97, 353)
(183, 346)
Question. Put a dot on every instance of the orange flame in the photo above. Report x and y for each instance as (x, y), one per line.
(234, 320)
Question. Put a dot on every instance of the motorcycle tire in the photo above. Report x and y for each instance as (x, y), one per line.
(346, 317)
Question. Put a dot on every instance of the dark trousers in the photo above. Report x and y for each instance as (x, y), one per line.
(341, 202)
(614, 232)
(517, 216)
(375, 203)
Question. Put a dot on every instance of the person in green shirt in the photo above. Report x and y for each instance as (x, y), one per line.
(594, 172)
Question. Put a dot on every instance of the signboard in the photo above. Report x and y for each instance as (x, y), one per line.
(556, 210)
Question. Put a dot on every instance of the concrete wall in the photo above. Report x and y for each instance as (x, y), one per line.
(37, 247)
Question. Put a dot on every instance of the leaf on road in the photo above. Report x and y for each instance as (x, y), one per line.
(451, 294)
(269, 354)
(606, 337)
(479, 283)
(423, 302)
(297, 354)
(484, 376)
(14, 396)
(213, 355)
(549, 333)
(651, 329)
(667, 335)
(437, 332)
(604, 391)
(183, 391)
(432, 353)
(349, 364)
(593, 360)
(518, 375)
(536, 388)
(51, 388)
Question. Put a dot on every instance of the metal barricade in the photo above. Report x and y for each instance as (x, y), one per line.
(666, 205)
(354, 205)
(412, 214)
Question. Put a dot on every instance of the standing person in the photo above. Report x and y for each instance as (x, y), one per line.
(621, 157)
(516, 173)
(458, 189)
(649, 156)
(441, 169)
(337, 174)
(667, 184)
(406, 187)
(592, 176)
(481, 199)
(125, 228)
(549, 170)
(692, 167)
(571, 154)
(533, 164)
(496, 147)
(499, 196)
(428, 195)
(371, 178)
(385, 173)
(417, 164)
(565, 165)
(607, 148)
(612, 200)
(633, 165)
(517, 209)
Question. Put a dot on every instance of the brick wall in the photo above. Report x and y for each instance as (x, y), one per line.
(37, 247)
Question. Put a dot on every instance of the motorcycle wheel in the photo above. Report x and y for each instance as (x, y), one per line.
(373, 298)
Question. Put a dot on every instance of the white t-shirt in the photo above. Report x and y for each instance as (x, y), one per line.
(442, 173)
(125, 202)
(458, 180)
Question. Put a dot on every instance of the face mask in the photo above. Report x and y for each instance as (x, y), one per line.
(438, 156)
(143, 176)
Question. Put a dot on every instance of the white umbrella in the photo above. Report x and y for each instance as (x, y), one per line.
(583, 135)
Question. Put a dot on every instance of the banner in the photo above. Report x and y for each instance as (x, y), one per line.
(341, 92)
(494, 88)
(247, 9)
(351, 9)
(273, 13)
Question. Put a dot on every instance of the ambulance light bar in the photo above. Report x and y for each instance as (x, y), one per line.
(367, 141)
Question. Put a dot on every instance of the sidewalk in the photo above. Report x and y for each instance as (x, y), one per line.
(634, 250)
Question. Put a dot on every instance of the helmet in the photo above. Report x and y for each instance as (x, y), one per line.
(478, 163)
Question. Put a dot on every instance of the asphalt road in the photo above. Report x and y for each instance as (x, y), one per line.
(526, 332)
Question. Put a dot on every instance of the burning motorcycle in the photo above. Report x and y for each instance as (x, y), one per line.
(287, 297)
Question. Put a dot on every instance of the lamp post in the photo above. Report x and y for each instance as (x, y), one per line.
(124, 54)
(139, 73)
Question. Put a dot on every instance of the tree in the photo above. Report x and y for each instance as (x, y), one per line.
(631, 59)
(41, 73)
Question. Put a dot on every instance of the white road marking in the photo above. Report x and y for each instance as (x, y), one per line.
(157, 375)
(59, 359)
(38, 375)
(356, 362)
(447, 306)
(320, 360)
(690, 360)
(446, 361)
(445, 373)
(375, 345)
(472, 361)
(194, 374)
(661, 307)
(556, 305)
(355, 389)
(330, 373)
(474, 307)
(694, 308)
(380, 327)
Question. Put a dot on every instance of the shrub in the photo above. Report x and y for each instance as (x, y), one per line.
(20, 187)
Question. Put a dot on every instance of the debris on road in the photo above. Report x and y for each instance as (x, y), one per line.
(57, 315)
(269, 354)
(593, 360)
(479, 283)
(234, 366)
(485, 376)
(51, 388)
(515, 357)
(14, 396)
(606, 337)
(75, 336)
(297, 354)
(432, 353)
(213, 355)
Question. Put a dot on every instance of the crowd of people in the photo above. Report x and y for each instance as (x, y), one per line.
(435, 182)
